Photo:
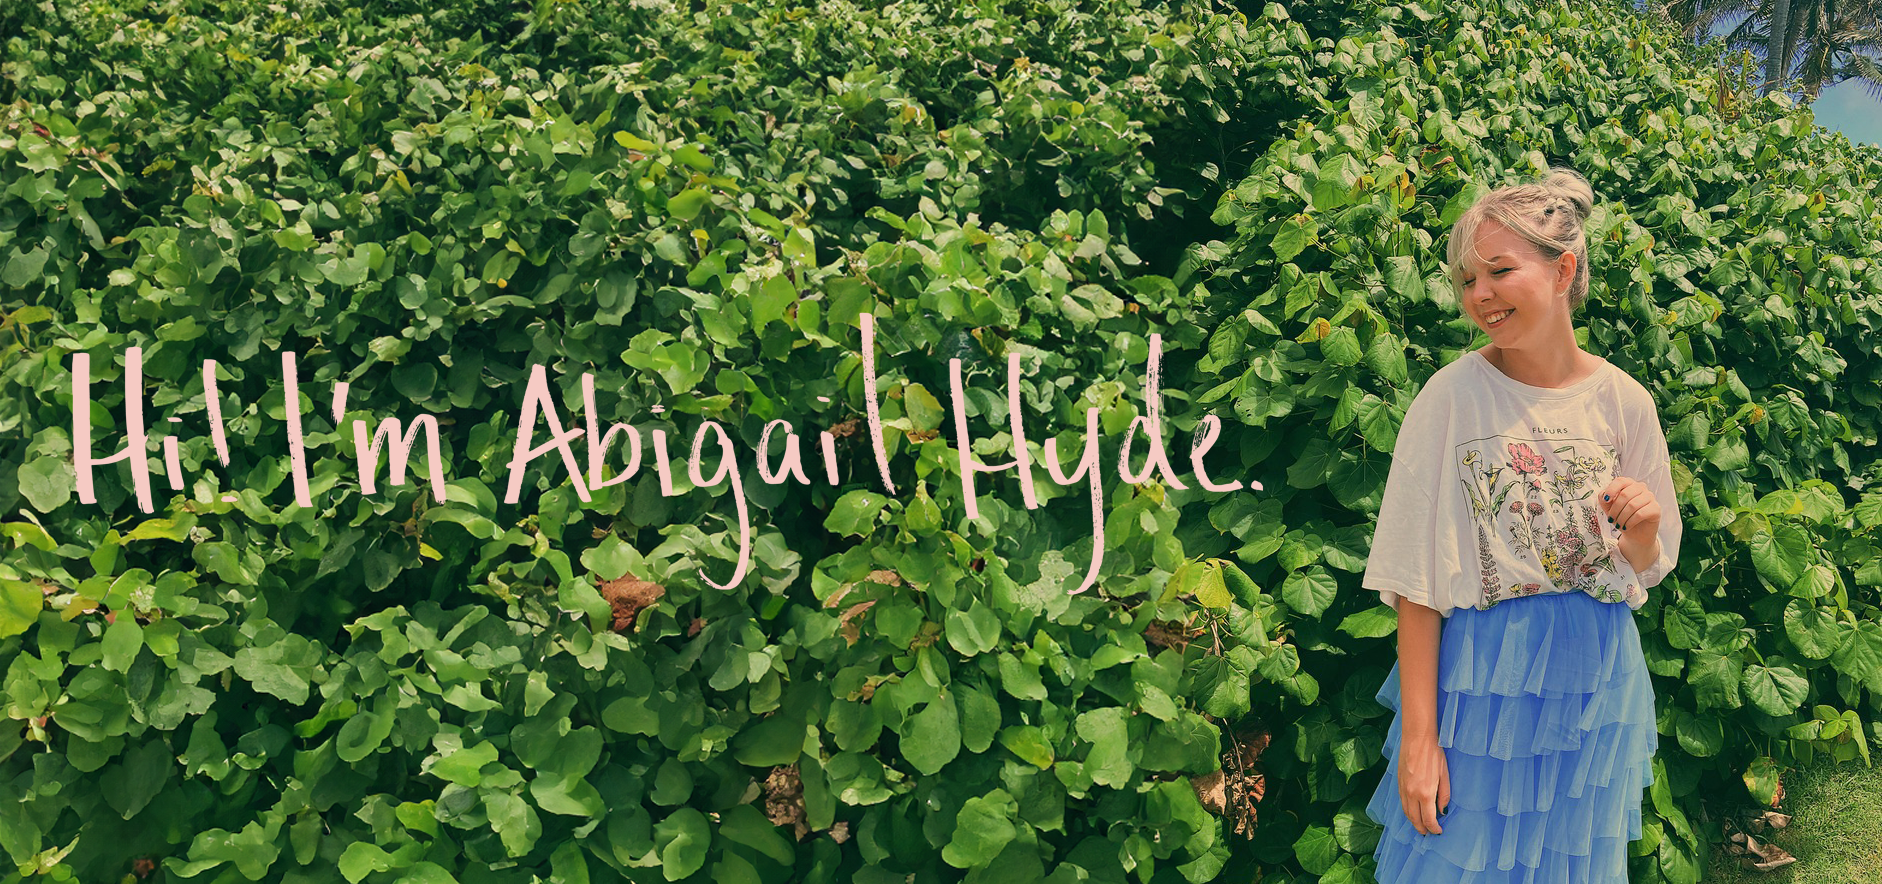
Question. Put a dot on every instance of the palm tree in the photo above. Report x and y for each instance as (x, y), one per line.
(1817, 42)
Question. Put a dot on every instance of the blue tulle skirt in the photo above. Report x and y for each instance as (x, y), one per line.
(1546, 715)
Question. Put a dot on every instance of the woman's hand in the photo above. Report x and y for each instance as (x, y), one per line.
(1424, 783)
(1631, 507)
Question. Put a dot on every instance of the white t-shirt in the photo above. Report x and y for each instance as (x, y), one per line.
(1495, 490)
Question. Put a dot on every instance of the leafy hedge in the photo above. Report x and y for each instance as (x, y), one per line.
(1737, 261)
(384, 687)
(694, 205)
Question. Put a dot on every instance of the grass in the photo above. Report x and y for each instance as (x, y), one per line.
(1835, 830)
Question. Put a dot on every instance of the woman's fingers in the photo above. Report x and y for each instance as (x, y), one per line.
(1444, 792)
(1423, 786)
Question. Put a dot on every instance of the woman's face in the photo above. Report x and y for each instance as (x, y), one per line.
(1509, 290)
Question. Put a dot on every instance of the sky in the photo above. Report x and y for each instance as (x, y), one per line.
(1850, 109)
(1847, 107)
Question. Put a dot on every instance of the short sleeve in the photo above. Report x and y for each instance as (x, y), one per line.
(1406, 559)
(1645, 458)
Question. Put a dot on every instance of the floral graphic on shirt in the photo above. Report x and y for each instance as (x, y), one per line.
(1535, 500)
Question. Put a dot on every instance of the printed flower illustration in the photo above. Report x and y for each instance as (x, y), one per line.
(1570, 541)
(1524, 459)
(1550, 523)
(1552, 564)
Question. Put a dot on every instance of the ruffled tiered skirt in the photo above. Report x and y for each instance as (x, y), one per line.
(1546, 714)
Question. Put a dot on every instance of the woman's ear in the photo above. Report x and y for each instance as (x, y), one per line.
(1565, 271)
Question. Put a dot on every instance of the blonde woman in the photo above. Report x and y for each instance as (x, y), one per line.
(1529, 509)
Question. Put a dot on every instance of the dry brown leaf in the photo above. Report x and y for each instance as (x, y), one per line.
(1169, 634)
(784, 800)
(628, 597)
(848, 625)
(1211, 792)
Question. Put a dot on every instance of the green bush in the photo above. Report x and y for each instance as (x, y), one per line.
(384, 686)
(695, 205)
(1737, 274)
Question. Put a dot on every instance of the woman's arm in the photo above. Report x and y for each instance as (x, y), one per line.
(1423, 779)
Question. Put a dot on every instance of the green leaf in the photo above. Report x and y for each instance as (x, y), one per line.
(1246, 592)
(672, 785)
(252, 850)
(129, 785)
(1403, 278)
(360, 735)
(1221, 683)
(1029, 743)
(980, 717)
(29, 534)
(1293, 237)
(162, 529)
(1781, 555)
(973, 631)
(363, 858)
(1212, 588)
(1776, 690)
(1341, 347)
(982, 829)
(1813, 630)
(225, 561)
(800, 247)
(419, 816)
(47, 482)
(123, 639)
(1684, 623)
(24, 267)
(745, 824)
(1699, 735)
(855, 513)
(568, 864)
(932, 737)
(281, 669)
(1860, 657)
(1375, 622)
(567, 795)
(415, 381)
(1109, 763)
(1714, 678)
(682, 840)
(772, 741)
(514, 820)
(1021, 679)
(1310, 592)
(1761, 779)
(464, 766)
(1316, 849)
(1334, 183)
(687, 203)
(20, 604)
(771, 301)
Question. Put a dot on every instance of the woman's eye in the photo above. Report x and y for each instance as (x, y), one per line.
(1503, 270)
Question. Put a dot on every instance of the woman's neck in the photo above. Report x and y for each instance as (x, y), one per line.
(1558, 368)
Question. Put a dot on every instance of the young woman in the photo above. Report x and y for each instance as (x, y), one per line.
(1529, 508)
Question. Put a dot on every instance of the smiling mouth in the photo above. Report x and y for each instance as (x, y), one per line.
(1496, 319)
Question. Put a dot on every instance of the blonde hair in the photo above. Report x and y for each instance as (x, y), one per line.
(1551, 214)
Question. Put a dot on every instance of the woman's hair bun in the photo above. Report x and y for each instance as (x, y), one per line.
(1573, 189)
